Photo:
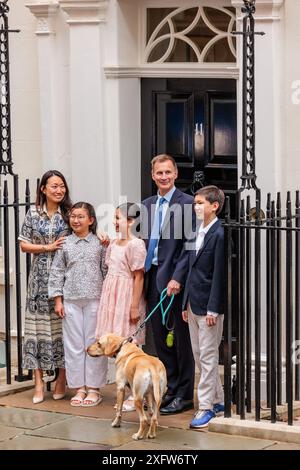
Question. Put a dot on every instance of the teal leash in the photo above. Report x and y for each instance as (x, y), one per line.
(163, 310)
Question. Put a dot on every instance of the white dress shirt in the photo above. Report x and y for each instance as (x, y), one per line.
(165, 207)
(199, 244)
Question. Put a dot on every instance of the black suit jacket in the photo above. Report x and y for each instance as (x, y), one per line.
(177, 225)
(205, 283)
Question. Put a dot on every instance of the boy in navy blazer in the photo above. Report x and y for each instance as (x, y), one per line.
(202, 263)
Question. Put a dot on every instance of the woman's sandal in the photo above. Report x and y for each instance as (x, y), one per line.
(90, 400)
(78, 399)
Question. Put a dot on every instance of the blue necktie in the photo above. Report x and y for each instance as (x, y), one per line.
(155, 234)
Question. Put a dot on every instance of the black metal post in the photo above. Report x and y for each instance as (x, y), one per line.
(273, 312)
(278, 301)
(257, 313)
(268, 297)
(289, 309)
(297, 294)
(5, 122)
(228, 320)
(7, 282)
(248, 309)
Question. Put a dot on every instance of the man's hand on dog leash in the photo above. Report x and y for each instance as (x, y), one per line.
(173, 287)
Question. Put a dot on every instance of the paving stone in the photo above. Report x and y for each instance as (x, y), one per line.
(28, 419)
(283, 446)
(88, 430)
(26, 442)
(7, 432)
(200, 440)
(150, 444)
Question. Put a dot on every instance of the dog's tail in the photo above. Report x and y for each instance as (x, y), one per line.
(159, 382)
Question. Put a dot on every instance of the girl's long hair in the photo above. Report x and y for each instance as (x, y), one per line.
(90, 210)
(65, 204)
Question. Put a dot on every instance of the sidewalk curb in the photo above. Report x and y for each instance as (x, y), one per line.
(256, 429)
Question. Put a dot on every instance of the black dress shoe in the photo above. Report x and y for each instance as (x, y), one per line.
(177, 405)
(166, 400)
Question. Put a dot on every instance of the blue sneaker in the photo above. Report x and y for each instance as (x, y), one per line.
(219, 408)
(202, 418)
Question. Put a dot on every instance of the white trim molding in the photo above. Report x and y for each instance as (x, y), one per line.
(44, 13)
(174, 71)
(265, 9)
(85, 11)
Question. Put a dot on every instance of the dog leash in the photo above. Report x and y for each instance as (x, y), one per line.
(163, 310)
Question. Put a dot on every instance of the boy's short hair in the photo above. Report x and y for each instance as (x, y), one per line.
(161, 159)
(212, 194)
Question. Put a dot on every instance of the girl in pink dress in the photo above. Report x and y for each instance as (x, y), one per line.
(122, 304)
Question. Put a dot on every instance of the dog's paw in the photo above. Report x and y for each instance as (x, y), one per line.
(116, 423)
(151, 435)
(136, 436)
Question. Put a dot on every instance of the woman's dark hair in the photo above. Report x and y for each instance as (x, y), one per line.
(91, 212)
(65, 204)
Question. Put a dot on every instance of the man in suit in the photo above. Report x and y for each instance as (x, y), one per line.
(203, 300)
(168, 217)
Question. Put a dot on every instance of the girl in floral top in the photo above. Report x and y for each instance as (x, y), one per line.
(75, 282)
(42, 234)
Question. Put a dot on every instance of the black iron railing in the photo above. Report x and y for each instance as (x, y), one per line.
(272, 243)
(263, 274)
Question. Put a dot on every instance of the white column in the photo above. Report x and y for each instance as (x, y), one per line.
(54, 121)
(268, 94)
(86, 19)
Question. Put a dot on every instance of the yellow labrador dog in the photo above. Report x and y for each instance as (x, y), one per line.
(146, 376)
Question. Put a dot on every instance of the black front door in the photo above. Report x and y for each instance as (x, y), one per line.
(194, 120)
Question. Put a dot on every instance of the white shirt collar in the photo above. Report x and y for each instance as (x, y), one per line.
(168, 195)
(87, 238)
(206, 229)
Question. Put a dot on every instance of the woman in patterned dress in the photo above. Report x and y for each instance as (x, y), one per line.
(43, 232)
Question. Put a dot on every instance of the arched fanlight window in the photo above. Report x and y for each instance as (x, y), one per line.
(198, 34)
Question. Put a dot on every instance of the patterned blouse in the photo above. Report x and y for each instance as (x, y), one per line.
(78, 269)
(41, 229)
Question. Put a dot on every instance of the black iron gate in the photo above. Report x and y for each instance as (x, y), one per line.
(266, 288)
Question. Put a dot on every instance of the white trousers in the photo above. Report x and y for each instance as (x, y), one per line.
(79, 326)
(205, 345)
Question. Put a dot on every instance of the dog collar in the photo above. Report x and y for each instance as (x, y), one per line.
(127, 340)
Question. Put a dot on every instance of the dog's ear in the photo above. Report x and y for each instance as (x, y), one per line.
(112, 345)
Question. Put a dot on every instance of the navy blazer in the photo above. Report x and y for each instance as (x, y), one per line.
(177, 224)
(205, 283)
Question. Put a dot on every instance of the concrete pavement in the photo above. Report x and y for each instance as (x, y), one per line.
(56, 425)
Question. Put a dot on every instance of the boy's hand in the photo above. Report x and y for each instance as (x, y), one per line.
(134, 315)
(211, 320)
(173, 287)
(59, 307)
(185, 316)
